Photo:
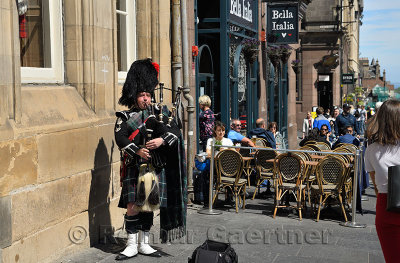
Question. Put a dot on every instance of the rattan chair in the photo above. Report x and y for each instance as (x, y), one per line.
(307, 172)
(348, 182)
(288, 168)
(310, 143)
(348, 146)
(323, 146)
(260, 142)
(264, 169)
(229, 170)
(330, 173)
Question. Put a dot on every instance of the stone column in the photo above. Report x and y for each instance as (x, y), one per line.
(10, 66)
(155, 31)
(143, 28)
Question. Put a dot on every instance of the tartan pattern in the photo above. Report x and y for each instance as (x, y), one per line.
(129, 186)
(129, 183)
(137, 119)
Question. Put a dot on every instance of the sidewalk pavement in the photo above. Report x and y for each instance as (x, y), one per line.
(257, 237)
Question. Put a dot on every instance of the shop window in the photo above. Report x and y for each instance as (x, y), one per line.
(126, 36)
(41, 42)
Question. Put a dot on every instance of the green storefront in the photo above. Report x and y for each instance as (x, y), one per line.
(225, 69)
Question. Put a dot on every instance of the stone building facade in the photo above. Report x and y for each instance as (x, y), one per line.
(329, 41)
(372, 76)
(59, 165)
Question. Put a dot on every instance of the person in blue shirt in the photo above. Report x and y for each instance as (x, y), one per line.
(321, 119)
(347, 138)
(261, 132)
(345, 119)
(236, 137)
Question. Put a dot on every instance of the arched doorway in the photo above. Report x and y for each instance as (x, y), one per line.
(206, 74)
(205, 84)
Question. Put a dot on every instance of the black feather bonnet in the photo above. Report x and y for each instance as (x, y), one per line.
(141, 77)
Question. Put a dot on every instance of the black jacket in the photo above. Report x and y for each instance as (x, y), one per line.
(263, 133)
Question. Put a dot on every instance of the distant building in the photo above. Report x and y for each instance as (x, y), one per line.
(371, 75)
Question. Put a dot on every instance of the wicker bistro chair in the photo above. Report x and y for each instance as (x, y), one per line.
(288, 168)
(307, 172)
(330, 173)
(260, 142)
(229, 169)
(264, 169)
(323, 146)
(351, 147)
(348, 182)
(310, 143)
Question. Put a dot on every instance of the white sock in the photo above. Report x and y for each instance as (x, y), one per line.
(131, 246)
(144, 246)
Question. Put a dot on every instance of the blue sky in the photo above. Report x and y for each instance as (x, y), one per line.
(380, 35)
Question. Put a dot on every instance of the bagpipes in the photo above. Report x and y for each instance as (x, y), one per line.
(175, 106)
(148, 191)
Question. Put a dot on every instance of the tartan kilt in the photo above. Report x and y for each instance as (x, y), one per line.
(129, 186)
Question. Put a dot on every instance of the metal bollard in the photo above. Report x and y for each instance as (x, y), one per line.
(357, 166)
(210, 211)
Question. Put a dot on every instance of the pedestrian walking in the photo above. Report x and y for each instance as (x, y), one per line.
(307, 124)
(321, 119)
(345, 119)
(384, 131)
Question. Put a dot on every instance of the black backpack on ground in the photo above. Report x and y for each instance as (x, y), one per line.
(214, 252)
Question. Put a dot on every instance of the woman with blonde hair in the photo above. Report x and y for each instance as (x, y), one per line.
(206, 120)
(384, 131)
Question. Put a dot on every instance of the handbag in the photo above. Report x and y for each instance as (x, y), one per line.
(393, 196)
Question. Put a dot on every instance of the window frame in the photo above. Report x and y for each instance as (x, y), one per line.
(130, 31)
(54, 74)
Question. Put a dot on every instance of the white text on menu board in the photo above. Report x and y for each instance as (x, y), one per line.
(236, 9)
(284, 14)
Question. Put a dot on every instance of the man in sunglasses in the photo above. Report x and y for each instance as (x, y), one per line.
(236, 137)
(347, 137)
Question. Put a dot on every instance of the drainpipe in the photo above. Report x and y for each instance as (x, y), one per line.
(179, 31)
(186, 93)
(176, 46)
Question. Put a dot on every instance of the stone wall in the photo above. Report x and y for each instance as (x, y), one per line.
(59, 165)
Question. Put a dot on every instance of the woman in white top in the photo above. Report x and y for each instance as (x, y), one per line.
(384, 131)
(307, 124)
(218, 135)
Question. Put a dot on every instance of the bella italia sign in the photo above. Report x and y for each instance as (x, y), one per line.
(282, 23)
(242, 12)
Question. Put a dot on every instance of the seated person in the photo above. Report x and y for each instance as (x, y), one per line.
(324, 134)
(315, 135)
(347, 137)
(236, 137)
(279, 140)
(261, 132)
(218, 135)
